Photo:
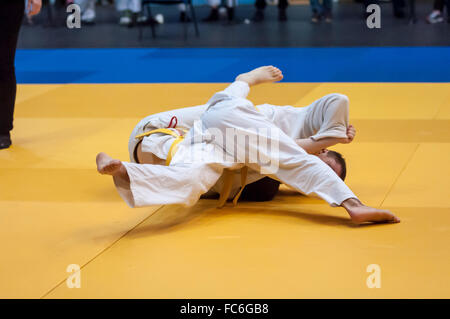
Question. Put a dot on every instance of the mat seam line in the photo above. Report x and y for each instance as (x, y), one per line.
(400, 174)
(101, 252)
(440, 108)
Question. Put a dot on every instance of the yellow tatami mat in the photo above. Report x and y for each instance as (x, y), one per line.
(55, 210)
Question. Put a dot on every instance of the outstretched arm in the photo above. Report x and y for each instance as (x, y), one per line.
(313, 147)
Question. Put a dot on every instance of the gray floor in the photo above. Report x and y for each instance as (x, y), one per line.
(347, 29)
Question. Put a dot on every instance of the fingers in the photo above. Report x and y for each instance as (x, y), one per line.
(351, 132)
(391, 217)
(351, 129)
(395, 219)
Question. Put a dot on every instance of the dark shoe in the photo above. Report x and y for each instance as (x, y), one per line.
(134, 17)
(328, 17)
(399, 14)
(213, 16)
(5, 141)
(230, 13)
(258, 16)
(184, 17)
(315, 18)
(282, 15)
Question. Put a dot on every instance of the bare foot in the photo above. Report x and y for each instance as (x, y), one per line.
(261, 75)
(364, 214)
(108, 165)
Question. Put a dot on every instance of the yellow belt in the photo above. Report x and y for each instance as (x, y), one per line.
(228, 174)
(173, 148)
(228, 178)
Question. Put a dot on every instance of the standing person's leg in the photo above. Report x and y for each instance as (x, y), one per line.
(11, 15)
(398, 6)
(124, 11)
(259, 14)
(447, 4)
(282, 5)
(135, 6)
(327, 8)
(214, 13)
(128, 9)
(438, 5)
(231, 4)
(183, 15)
(90, 14)
(87, 10)
(437, 15)
(316, 8)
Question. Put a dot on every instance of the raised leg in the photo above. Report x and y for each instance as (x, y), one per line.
(260, 75)
(106, 165)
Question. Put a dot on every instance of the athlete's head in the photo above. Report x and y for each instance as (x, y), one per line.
(335, 161)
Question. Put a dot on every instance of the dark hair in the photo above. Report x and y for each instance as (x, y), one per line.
(262, 190)
(341, 161)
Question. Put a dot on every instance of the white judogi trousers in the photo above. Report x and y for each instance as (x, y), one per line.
(183, 182)
(132, 5)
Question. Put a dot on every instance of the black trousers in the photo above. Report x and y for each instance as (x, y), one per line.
(439, 5)
(261, 4)
(11, 15)
(368, 2)
(398, 5)
(260, 191)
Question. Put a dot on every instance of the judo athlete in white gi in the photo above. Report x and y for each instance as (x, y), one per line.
(183, 182)
(325, 121)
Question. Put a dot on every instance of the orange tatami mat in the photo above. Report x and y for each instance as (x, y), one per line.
(56, 210)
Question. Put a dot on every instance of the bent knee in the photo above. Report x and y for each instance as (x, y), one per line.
(340, 103)
(341, 99)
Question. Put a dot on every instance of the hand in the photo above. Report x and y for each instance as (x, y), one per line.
(33, 7)
(351, 132)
